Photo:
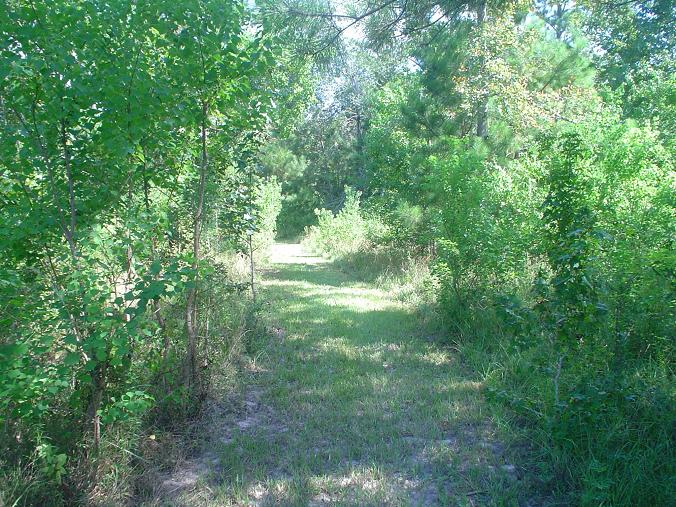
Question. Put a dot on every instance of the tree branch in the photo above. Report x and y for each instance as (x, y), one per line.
(355, 20)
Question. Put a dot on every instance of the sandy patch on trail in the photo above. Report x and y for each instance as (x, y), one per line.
(251, 415)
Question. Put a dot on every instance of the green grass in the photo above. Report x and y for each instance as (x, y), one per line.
(349, 402)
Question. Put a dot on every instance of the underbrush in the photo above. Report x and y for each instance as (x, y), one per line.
(360, 243)
(554, 281)
(151, 415)
(138, 449)
(591, 435)
(343, 234)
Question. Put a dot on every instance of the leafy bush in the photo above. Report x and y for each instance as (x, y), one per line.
(484, 222)
(268, 202)
(345, 233)
(298, 199)
(585, 351)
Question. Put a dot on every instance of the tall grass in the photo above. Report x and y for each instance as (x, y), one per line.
(595, 424)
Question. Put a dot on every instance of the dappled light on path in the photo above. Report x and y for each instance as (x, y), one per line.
(293, 253)
(357, 406)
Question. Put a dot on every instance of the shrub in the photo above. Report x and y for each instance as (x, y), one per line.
(268, 202)
(345, 233)
(585, 360)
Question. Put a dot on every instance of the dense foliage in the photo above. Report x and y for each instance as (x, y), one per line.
(511, 159)
(126, 190)
(527, 157)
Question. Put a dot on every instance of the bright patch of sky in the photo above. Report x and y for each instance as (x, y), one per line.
(353, 30)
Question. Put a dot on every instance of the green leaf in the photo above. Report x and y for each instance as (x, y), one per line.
(71, 359)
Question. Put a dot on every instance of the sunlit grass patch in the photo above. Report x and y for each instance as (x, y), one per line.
(374, 413)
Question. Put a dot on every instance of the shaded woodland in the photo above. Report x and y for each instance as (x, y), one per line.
(505, 167)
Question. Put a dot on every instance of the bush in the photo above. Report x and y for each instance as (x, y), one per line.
(584, 359)
(345, 233)
(268, 202)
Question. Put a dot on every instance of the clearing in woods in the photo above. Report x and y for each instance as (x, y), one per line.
(350, 403)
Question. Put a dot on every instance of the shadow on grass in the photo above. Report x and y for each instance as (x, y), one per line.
(314, 274)
(363, 409)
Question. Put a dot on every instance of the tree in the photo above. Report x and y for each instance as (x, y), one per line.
(114, 116)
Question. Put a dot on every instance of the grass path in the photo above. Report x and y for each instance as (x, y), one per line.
(351, 404)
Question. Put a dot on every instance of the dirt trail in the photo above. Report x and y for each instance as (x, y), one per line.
(349, 404)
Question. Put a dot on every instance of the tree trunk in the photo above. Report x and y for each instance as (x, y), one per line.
(482, 105)
(98, 385)
(99, 373)
(191, 304)
(252, 268)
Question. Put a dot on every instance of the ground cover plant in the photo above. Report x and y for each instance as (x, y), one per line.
(337, 252)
